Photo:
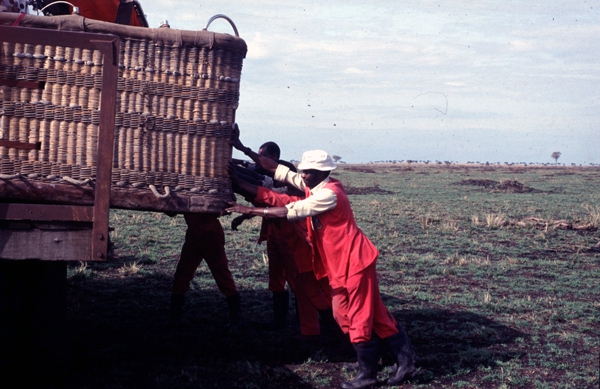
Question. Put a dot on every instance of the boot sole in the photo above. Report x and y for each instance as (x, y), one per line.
(347, 385)
(407, 376)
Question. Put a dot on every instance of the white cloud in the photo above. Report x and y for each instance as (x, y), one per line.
(259, 47)
(353, 71)
(518, 45)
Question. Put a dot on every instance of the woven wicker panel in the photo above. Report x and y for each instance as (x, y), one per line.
(176, 101)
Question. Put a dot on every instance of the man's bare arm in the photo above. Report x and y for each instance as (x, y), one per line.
(266, 163)
(268, 212)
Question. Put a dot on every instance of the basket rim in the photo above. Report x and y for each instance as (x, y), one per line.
(159, 36)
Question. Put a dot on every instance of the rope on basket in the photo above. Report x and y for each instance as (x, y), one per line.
(9, 176)
(158, 195)
(76, 182)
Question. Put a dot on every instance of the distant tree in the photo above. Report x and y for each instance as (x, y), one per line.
(336, 158)
(555, 156)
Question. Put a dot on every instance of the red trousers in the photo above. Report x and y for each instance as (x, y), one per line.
(204, 239)
(312, 296)
(358, 309)
(288, 254)
(282, 267)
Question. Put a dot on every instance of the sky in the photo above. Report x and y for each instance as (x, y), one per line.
(488, 81)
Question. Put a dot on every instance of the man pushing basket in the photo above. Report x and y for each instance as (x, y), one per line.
(342, 252)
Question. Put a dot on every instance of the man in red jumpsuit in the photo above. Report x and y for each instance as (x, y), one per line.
(282, 267)
(204, 239)
(289, 247)
(343, 253)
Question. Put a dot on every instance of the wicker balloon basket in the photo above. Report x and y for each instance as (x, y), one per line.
(177, 93)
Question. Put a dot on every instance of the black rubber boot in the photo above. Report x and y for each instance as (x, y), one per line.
(400, 346)
(367, 354)
(281, 306)
(353, 367)
(235, 310)
(176, 308)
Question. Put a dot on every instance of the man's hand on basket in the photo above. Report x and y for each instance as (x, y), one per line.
(235, 140)
(238, 208)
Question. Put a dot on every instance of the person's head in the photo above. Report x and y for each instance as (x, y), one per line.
(316, 166)
(270, 150)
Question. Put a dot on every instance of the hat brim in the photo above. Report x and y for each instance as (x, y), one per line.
(315, 166)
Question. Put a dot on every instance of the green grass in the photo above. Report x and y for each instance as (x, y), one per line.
(487, 302)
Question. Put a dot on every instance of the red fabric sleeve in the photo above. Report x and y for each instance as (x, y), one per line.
(272, 199)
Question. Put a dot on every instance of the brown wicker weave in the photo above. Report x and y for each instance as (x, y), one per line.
(177, 95)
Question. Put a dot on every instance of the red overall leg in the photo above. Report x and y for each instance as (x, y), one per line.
(189, 260)
(358, 308)
(275, 252)
(204, 239)
(279, 273)
(311, 299)
(212, 246)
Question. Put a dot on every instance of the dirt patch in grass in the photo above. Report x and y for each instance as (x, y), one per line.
(506, 186)
(403, 169)
(484, 183)
(359, 169)
(367, 190)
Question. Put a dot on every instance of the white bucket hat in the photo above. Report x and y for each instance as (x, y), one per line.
(317, 160)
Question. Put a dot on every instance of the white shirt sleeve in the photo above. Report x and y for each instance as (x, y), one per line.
(284, 174)
(321, 201)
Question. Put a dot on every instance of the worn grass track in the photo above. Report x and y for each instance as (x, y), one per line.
(493, 272)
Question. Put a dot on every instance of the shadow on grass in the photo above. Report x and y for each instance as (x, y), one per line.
(449, 342)
(117, 337)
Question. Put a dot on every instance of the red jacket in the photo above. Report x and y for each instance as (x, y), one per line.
(340, 248)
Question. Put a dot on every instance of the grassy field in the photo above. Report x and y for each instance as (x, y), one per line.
(494, 272)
